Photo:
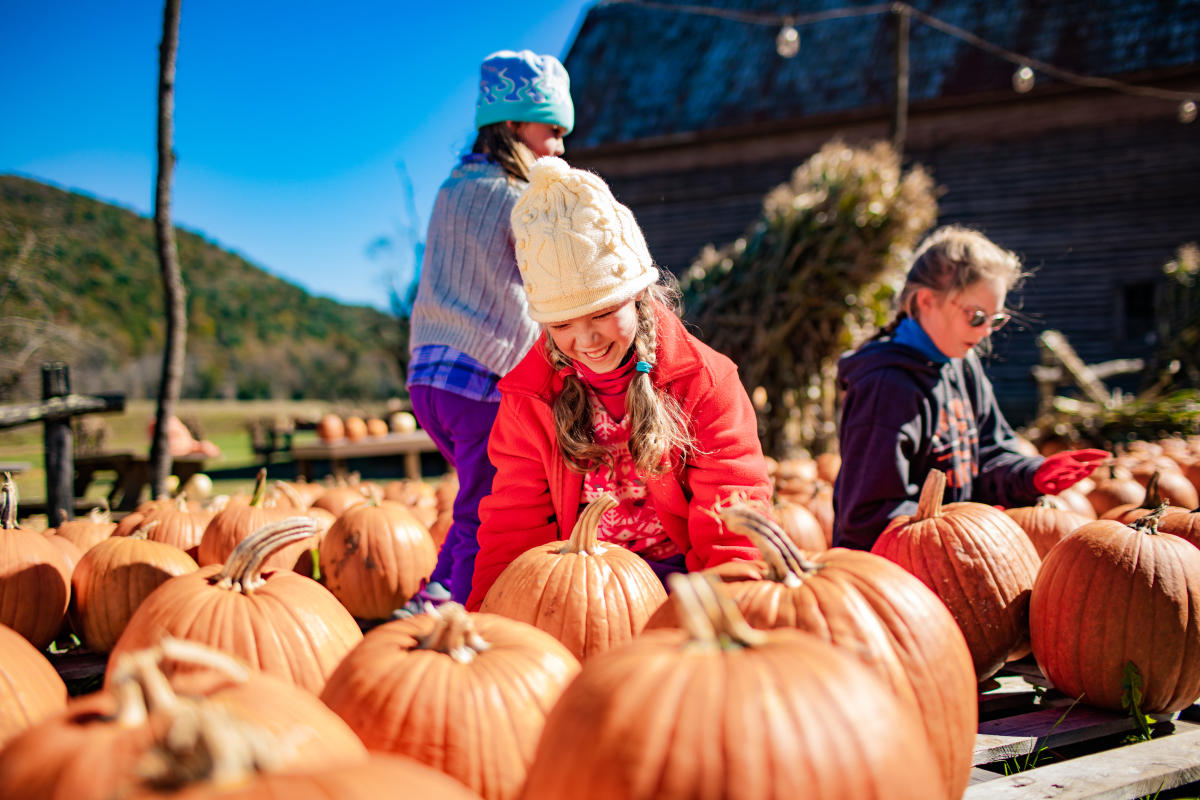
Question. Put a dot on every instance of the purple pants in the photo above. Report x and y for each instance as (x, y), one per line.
(460, 428)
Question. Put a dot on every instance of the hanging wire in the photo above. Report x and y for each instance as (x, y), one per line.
(1066, 76)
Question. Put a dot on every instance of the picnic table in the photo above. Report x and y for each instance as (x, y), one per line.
(133, 472)
(338, 452)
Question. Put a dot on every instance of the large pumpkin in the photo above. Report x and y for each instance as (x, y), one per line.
(280, 622)
(1045, 522)
(236, 521)
(1110, 595)
(727, 711)
(978, 561)
(113, 578)
(464, 693)
(30, 688)
(375, 557)
(1184, 524)
(590, 595)
(35, 578)
(97, 748)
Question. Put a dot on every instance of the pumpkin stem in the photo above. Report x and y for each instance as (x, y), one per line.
(260, 487)
(786, 563)
(1149, 522)
(932, 491)
(8, 503)
(100, 515)
(243, 570)
(205, 742)
(1153, 498)
(583, 536)
(143, 531)
(453, 634)
(708, 615)
(291, 494)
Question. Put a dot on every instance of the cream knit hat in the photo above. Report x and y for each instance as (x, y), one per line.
(578, 249)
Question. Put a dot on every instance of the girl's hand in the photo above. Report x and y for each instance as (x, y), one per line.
(1067, 468)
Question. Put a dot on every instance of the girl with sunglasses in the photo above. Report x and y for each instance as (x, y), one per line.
(916, 398)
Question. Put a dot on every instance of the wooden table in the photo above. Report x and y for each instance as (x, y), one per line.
(409, 445)
(133, 472)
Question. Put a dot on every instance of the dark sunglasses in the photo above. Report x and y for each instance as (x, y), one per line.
(977, 317)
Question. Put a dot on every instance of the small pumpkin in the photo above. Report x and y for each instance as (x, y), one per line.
(178, 523)
(464, 693)
(330, 428)
(279, 622)
(590, 595)
(1112, 595)
(978, 561)
(83, 532)
(1128, 512)
(35, 578)
(1045, 523)
(1116, 487)
(801, 526)
(356, 428)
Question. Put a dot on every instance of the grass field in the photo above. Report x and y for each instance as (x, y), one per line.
(223, 422)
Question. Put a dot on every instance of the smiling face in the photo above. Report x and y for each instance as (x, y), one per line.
(946, 318)
(598, 340)
(541, 138)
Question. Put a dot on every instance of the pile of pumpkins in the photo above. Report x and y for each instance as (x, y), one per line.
(814, 671)
(353, 427)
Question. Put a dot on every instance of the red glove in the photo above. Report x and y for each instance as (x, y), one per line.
(1066, 469)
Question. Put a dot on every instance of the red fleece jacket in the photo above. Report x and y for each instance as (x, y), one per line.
(535, 497)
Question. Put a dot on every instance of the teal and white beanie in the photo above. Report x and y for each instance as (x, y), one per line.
(524, 87)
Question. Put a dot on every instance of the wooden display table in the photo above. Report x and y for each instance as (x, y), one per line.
(133, 472)
(409, 445)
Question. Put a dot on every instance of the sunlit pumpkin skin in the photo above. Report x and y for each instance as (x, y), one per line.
(1126, 513)
(801, 526)
(873, 609)
(1072, 499)
(70, 553)
(279, 622)
(1184, 524)
(380, 776)
(590, 595)
(1045, 523)
(236, 521)
(30, 688)
(465, 693)
(111, 581)
(179, 524)
(730, 712)
(1114, 488)
(978, 561)
(83, 532)
(418, 496)
(35, 578)
(95, 748)
(330, 428)
(375, 557)
(1109, 594)
(339, 499)
(355, 428)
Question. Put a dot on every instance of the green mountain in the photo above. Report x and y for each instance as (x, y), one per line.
(80, 283)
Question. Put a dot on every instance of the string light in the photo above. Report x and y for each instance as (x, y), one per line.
(1022, 79)
(787, 45)
(787, 41)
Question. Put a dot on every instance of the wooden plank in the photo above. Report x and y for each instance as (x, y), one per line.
(1123, 773)
(388, 445)
(1057, 344)
(1012, 693)
(59, 408)
(1021, 735)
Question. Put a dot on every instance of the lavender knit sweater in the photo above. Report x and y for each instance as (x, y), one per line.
(470, 295)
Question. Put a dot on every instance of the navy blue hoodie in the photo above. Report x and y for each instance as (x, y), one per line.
(904, 414)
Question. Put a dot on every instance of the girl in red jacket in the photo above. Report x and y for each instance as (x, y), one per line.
(615, 396)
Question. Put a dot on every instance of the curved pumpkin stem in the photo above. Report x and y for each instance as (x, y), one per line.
(708, 615)
(787, 563)
(454, 634)
(932, 492)
(141, 685)
(8, 503)
(243, 570)
(583, 536)
(288, 491)
(1153, 498)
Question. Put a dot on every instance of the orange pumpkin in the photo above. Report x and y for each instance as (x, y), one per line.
(111, 581)
(978, 561)
(1184, 524)
(1114, 488)
(1110, 595)
(330, 428)
(282, 623)
(464, 693)
(376, 427)
(727, 711)
(35, 579)
(801, 526)
(83, 532)
(356, 428)
(30, 689)
(1128, 512)
(178, 523)
(236, 521)
(590, 595)
(1045, 523)
(337, 499)
(375, 557)
(870, 607)
(97, 748)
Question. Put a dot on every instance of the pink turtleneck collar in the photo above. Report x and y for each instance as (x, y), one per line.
(610, 388)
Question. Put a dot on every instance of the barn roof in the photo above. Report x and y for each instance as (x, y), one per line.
(643, 72)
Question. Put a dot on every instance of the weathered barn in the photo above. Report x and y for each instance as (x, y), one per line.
(692, 118)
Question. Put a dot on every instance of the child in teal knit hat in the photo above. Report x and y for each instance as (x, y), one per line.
(470, 321)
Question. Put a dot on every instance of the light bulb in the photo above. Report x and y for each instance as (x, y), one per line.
(1022, 79)
(787, 41)
(1187, 111)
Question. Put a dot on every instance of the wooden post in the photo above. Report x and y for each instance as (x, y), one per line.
(899, 130)
(59, 447)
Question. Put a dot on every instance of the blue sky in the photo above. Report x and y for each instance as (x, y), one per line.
(290, 117)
